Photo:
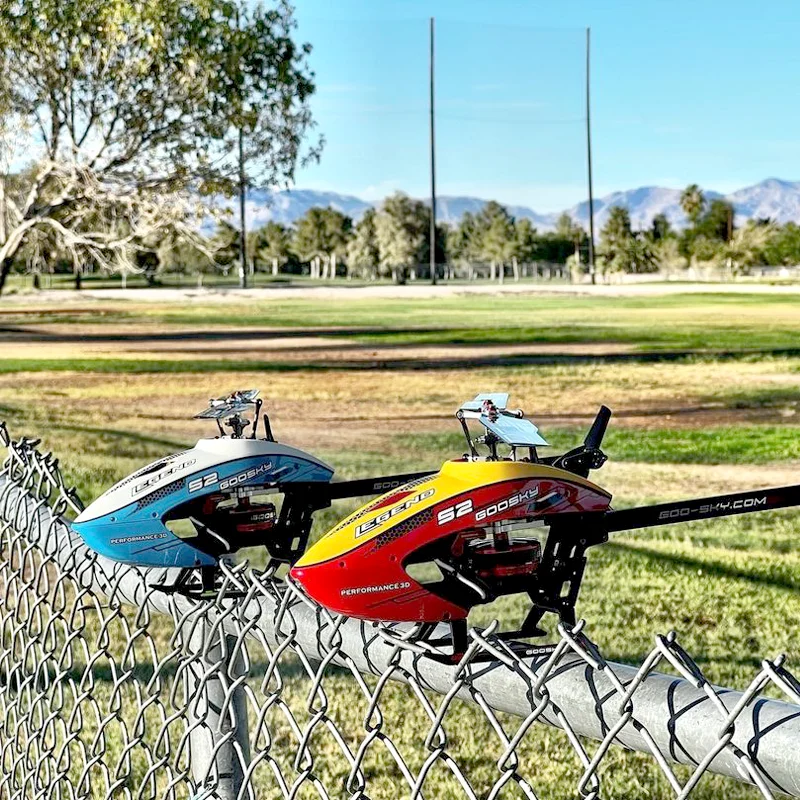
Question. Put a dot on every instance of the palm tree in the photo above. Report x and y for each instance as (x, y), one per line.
(693, 202)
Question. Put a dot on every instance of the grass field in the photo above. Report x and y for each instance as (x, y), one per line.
(705, 390)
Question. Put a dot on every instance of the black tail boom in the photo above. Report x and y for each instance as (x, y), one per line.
(722, 505)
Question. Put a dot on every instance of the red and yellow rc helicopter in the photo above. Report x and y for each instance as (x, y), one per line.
(429, 551)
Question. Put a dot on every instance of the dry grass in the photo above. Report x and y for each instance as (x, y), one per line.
(340, 404)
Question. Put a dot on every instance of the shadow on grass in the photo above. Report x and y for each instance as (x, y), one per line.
(196, 366)
(767, 398)
(649, 346)
(709, 569)
(125, 435)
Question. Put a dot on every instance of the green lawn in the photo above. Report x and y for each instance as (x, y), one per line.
(694, 322)
(731, 587)
(742, 444)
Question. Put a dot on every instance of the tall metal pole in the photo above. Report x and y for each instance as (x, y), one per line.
(242, 221)
(242, 197)
(589, 161)
(433, 170)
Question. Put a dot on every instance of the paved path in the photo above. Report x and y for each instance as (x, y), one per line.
(388, 291)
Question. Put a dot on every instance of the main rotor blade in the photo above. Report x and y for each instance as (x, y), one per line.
(722, 505)
(360, 487)
(370, 486)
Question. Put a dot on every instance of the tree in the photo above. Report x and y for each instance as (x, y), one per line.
(564, 245)
(499, 237)
(180, 255)
(274, 242)
(615, 239)
(32, 256)
(622, 250)
(705, 239)
(639, 255)
(401, 227)
(458, 242)
(309, 239)
(783, 247)
(525, 244)
(555, 248)
(660, 228)
(566, 227)
(267, 85)
(226, 245)
(320, 238)
(363, 254)
(717, 222)
(693, 202)
(668, 254)
(464, 242)
(440, 243)
(747, 246)
(125, 106)
(338, 230)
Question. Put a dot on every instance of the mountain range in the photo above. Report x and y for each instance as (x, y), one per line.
(772, 198)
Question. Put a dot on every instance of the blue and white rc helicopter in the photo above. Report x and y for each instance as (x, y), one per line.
(229, 492)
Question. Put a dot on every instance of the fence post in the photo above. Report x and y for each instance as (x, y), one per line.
(219, 745)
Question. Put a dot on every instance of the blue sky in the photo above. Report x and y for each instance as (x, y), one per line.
(704, 91)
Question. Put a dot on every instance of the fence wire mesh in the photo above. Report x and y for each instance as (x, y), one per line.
(111, 689)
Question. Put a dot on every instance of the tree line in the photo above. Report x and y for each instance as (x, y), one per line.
(392, 241)
(710, 239)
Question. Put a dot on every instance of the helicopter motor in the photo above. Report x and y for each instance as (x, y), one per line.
(244, 517)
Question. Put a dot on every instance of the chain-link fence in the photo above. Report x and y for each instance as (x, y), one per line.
(111, 689)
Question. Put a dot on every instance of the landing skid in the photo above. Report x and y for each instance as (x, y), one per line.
(198, 584)
(451, 649)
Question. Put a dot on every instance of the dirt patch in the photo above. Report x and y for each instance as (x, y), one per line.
(315, 349)
(644, 395)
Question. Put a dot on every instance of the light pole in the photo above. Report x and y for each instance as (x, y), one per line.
(589, 162)
(433, 168)
(242, 196)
